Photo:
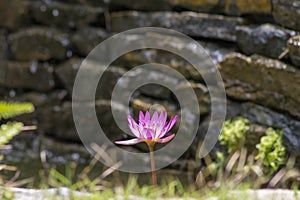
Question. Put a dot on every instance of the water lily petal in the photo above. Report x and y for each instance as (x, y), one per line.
(166, 139)
(133, 126)
(129, 142)
(163, 118)
(141, 118)
(171, 123)
(149, 133)
(161, 123)
(154, 119)
(168, 127)
(147, 118)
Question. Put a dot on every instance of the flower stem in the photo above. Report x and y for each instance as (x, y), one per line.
(151, 147)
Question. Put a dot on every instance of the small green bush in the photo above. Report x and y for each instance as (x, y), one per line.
(233, 133)
(271, 149)
(8, 110)
(9, 130)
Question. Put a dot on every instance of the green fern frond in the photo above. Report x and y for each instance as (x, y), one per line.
(9, 130)
(12, 109)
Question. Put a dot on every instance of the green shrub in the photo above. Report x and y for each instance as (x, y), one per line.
(233, 133)
(8, 110)
(9, 130)
(271, 149)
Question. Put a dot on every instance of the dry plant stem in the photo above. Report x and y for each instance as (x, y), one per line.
(151, 147)
(29, 128)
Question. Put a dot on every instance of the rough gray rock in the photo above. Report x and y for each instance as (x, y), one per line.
(38, 43)
(145, 104)
(6, 93)
(108, 82)
(231, 7)
(156, 91)
(228, 7)
(56, 119)
(153, 5)
(13, 13)
(30, 75)
(67, 72)
(87, 38)
(217, 51)
(155, 74)
(294, 50)
(65, 15)
(140, 75)
(190, 23)
(64, 127)
(202, 94)
(241, 7)
(3, 45)
(45, 106)
(86, 2)
(267, 39)
(139, 57)
(287, 13)
(210, 6)
(265, 81)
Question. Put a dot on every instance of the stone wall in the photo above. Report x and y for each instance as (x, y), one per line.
(42, 44)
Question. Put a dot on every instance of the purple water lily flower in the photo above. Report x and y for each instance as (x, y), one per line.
(150, 130)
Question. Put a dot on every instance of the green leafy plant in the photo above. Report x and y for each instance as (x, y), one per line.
(9, 109)
(216, 167)
(233, 133)
(11, 129)
(271, 149)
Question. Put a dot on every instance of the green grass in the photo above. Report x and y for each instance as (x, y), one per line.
(170, 188)
(220, 184)
(238, 170)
